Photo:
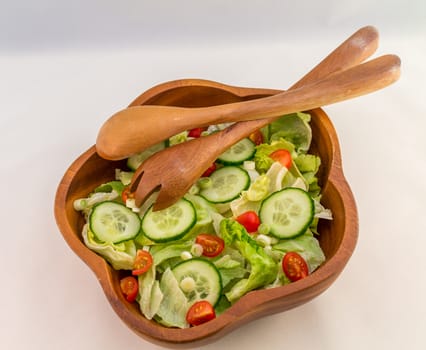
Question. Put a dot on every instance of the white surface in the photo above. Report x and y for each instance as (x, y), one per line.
(65, 67)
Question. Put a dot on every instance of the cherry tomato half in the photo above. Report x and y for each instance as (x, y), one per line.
(249, 220)
(209, 170)
(212, 245)
(283, 156)
(294, 266)
(200, 312)
(126, 194)
(143, 261)
(196, 132)
(256, 137)
(129, 287)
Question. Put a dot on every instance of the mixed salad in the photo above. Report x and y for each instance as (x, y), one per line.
(249, 223)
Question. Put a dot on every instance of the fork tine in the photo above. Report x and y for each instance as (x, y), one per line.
(144, 190)
(164, 200)
(135, 179)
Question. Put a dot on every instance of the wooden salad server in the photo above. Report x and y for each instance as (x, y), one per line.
(178, 162)
(174, 170)
(137, 128)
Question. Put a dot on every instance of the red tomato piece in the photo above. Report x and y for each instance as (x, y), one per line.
(200, 312)
(129, 287)
(212, 245)
(294, 266)
(143, 261)
(283, 156)
(126, 194)
(196, 132)
(250, 220)
(209, 170)
(256, 137)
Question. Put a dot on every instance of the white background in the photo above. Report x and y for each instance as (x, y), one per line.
(65, 66)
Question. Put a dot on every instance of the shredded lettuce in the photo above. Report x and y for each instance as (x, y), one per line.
(174, 305)
(85, 204)
(308, 163)
(263, 268)
(178, 138)
(321, 212)
(111, 186)
(120, 256)
(262, 187)
(163, 252)
(307, 246)
(125, 177)
(261, 157)
(232, 273)
(230, 269)
(294, 128)
(150, 295)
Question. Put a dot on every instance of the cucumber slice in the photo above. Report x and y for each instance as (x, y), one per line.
(169, 224)
(227, 184)
(238, 153)
(199, 279)
(288, 213)
(113, 222)
(137, 159)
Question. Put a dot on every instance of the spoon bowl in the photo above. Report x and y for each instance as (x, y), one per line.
(337, 237)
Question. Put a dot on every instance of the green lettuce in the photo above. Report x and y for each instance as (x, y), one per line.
(308, 166)
(307, 246)
(263, 268)
(125, 177)
(174, 305)
(295, 129)
(204, 211)
(85, 204)
(150, 295)
(251, 200)
(164, 252)
(261, 157)
(308, 163)
(178, 138)
(110, 186)
(230, 269)
(121, 256)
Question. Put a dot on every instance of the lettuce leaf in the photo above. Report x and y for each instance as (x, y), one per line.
(204, 211)
(308, 163)
(178, 138)
(263, 268)
(263, 186)
(163, 252)
(174, 306)
(307, 246)
(110, 186)
(261, 157)
(294, 128)
(85, 204)
(230, 269)
(150, 295)
(120, 256)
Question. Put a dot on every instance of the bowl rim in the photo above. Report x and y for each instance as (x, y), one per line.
(260, 301)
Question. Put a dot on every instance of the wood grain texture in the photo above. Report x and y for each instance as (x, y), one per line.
(136, 128)
(173, 170)
(338, 237)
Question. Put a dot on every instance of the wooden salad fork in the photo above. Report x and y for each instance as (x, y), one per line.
(173, 170)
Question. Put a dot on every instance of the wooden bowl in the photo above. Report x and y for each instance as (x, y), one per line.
(337, 237)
